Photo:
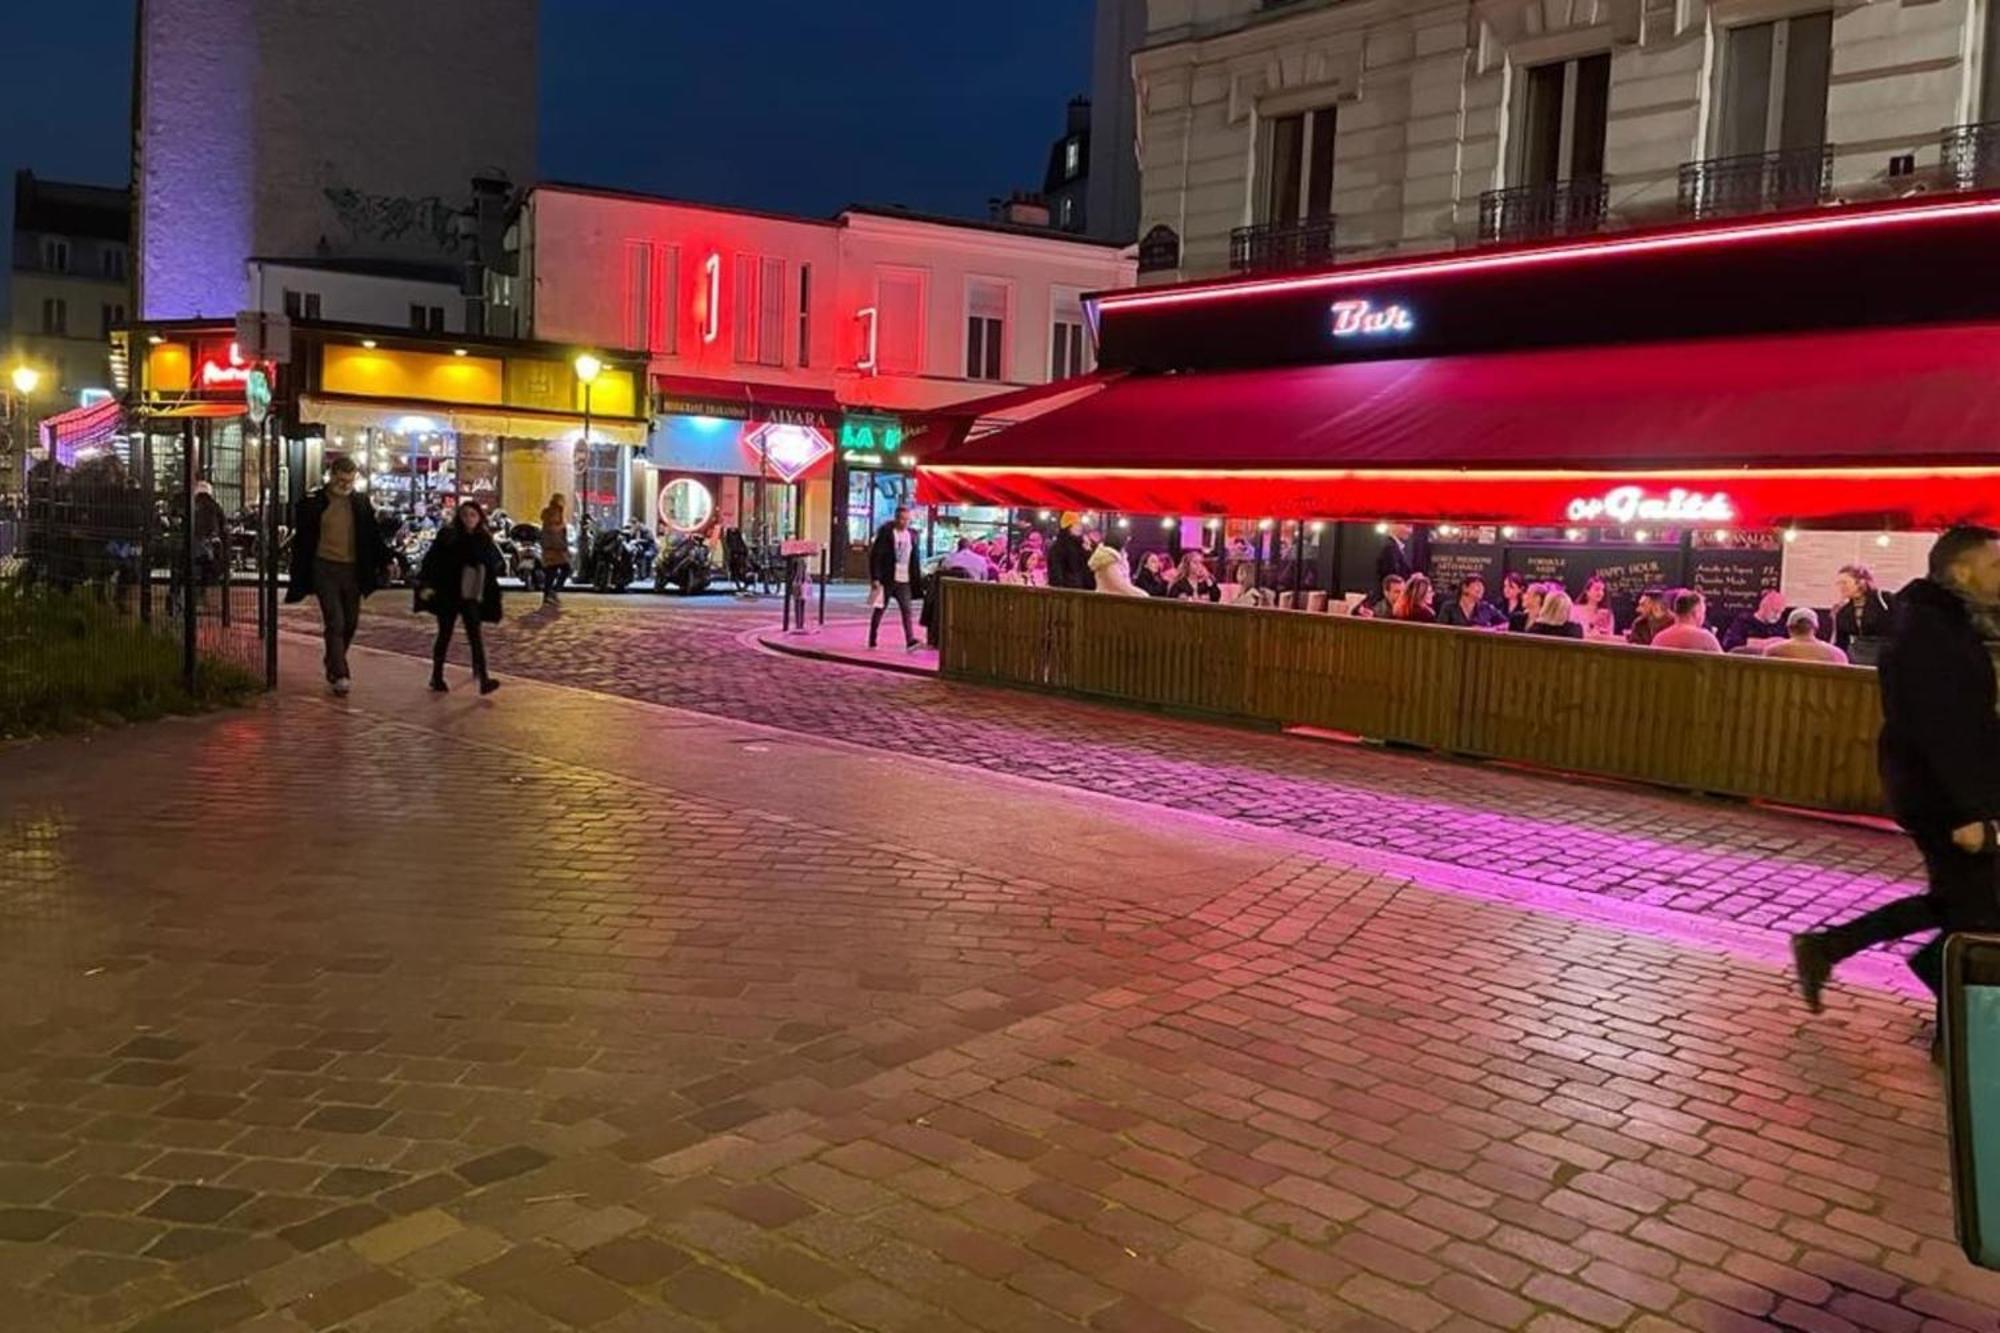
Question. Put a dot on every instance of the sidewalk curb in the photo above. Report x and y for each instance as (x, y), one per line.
(776, 641)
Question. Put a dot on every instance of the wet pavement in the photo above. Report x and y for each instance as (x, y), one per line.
(563, 1011)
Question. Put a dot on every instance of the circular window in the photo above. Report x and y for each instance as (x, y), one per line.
(685, 504)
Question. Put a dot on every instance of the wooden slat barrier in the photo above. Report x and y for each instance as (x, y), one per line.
(1792, 732)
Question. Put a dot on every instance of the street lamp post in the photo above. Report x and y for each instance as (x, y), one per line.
(587, 369)
(26, 379)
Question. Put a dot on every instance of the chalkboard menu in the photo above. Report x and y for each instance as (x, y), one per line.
(1451, 565)
(1626, 571)
(1733, 581)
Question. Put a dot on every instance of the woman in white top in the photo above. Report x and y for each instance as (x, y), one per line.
(1593, 612)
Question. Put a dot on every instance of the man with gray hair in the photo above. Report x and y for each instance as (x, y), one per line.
(338, 556)
(1940, 761)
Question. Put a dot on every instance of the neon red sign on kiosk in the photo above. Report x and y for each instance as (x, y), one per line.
(225, 371)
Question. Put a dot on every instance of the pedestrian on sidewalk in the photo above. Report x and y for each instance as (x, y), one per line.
(1940, 759)
(338, 556)
(555, 549)
(892, 571)
(460, 583)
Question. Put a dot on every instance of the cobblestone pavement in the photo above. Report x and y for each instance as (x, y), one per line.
(423, 1013)
(1715, 860)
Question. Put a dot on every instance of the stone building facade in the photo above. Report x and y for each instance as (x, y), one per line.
(1301, 131)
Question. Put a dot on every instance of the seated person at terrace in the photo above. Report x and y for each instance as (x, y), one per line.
(1754, 629)
(1802, 642)
(1384, 607)
(1686, 634)
(1416, 603)
(1514, 600)
(1194, 581)
(1594, 611)
(1152, 575)
(1470, 609)
(1557, 617)
(968, 560)
(1651, 617)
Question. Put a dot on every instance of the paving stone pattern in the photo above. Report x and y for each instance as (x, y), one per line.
(301, 1030)
(1717, 859)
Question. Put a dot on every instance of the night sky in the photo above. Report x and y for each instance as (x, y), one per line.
(791, 105)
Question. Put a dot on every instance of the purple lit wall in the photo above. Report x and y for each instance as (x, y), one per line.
(304, 130)
(193, 172)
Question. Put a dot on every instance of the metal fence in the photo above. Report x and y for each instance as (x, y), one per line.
(131, 588)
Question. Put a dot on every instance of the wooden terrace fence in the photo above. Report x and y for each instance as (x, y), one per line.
(1792, 732)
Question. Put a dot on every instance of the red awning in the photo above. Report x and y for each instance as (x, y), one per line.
(1886, 425)
(81, 428)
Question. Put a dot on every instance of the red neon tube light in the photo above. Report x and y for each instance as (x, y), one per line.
(1681, 240)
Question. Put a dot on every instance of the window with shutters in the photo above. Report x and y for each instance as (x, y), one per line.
(1069, 351)
(899, 321)
(55, 254)
(114, 315)
(743, 307)
(805, 314)
(55, 316)
(985, 330)
(638, 294)
(1297, 159)
(771, 313)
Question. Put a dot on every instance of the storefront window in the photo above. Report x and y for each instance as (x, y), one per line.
(414, 467)
(872, 498)
(776, 518)
(686, 504)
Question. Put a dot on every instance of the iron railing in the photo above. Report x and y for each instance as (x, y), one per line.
(1971, 156)
(1535, 212)
(1757, 182)
(1281, 245)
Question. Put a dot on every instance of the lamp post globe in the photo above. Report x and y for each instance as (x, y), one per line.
(26, 380)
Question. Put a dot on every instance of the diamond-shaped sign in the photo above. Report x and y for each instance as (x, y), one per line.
(789, 450)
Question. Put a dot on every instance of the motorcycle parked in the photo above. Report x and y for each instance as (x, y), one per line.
(612, 567)
(684, 566)
(522, 550)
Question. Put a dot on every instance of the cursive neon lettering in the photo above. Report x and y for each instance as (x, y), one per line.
(1365, 317)
(1633, 504)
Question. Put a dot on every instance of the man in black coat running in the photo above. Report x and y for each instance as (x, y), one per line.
(1940, 760)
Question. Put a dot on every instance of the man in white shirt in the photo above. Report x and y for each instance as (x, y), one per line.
(892, 568)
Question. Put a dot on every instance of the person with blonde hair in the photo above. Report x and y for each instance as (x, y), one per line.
(1555, 617)
(1194, 581)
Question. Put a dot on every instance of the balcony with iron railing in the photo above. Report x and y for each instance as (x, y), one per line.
(1757, 182)
(1970, 155)
(1538, 212)
(1275, 246)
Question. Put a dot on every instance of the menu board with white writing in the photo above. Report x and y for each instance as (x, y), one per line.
(1450, 566)
(1733, 581)
(1812, 559)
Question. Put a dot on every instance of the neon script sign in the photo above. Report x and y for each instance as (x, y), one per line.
(233, 374)
(1627, 504)
(1366, 319)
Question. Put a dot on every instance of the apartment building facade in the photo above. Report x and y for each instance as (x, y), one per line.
(1291, 133)
(789, 356)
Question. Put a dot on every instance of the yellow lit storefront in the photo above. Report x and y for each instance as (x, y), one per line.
(432, 420)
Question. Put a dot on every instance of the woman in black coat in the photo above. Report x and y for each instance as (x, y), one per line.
(460, 581)
(1863, 613)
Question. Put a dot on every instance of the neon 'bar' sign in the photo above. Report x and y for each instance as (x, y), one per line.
(1628, 504)
(1351, 318)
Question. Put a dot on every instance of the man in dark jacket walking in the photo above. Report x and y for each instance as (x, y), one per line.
(1069, 558)
(338, 556)
(1940, 759)
(892, 568)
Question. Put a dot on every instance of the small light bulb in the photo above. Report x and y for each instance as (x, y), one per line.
(1167, 523)
(1791, 534)
(1264, 525)
(1318, 526)
(1640, 534)
(1381, 529)
(1574, 534)
(1506, 532)
(1882, 540)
